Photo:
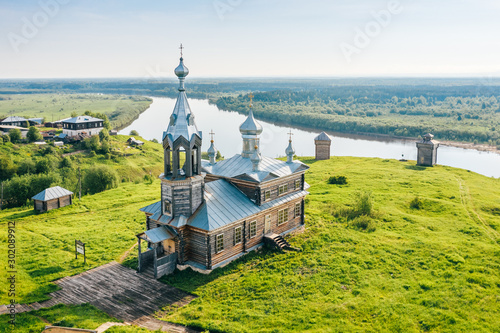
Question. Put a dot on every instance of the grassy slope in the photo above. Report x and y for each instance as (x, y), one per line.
(107, 222)
(59, 106)
(80, 316)
(434, 269)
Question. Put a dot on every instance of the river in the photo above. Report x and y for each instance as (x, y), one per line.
(274, 139)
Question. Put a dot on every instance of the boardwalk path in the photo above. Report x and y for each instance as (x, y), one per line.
(120, 292)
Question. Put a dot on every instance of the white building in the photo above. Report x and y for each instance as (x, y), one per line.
(82, 124)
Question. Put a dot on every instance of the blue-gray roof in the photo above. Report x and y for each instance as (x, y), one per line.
(323, 137)
(80, 119)
(241, 167)
(224, 204)
(13, 119)
(159, 234)
(182, 122)
(52, 193)
(151, 209)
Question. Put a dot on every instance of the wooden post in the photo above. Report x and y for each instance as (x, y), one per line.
(76, 251)
(209, 253)
(139, 257)
(244, 236)
(155, 258)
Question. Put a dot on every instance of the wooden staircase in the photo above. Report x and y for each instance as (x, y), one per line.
(278, 242)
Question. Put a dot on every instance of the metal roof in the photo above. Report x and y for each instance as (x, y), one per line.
(13, 119)
(52, 193)
(224, 204)
(151, 209)
(157, 235)
(323, 137)
(181, 121)
(241, 167)
(250, 126)
(80, 119)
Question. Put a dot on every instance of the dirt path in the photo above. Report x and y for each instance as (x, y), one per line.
(124, 255)
(469, 207)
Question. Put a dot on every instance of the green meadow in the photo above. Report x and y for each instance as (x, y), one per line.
(424, 255)
(120, 109)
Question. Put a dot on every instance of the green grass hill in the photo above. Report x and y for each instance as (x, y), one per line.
(399, 248)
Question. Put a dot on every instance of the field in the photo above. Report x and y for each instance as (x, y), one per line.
(412, 265)
(120, 109)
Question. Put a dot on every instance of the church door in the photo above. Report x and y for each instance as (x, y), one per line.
(267, 224)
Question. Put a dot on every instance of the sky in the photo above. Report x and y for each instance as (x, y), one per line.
(249, 38)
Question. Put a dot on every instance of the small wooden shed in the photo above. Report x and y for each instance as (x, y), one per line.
(52, 198)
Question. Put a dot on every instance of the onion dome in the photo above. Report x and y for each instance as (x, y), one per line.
(181, 71)
(212, 152)
(250, 126)
(289, 152)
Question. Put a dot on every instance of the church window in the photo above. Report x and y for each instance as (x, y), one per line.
(237, 235)
(219, 243)
(253, 229)
(282, 216)
(298, 209)
(168, 207)
(267, 195)
(283, 189)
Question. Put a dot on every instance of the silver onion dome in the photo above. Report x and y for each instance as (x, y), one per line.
(250, 126)
(181, 71)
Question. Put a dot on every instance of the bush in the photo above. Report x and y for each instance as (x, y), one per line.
(363, 223)
(99, 178)
(104, 135)
(7, 167)
(18, 190)
(26, 166)
(362, 206)
(93, 143)
(15, 135)
(154, 141)
(337, 180)
(33, 134)
(134, 132)
(416, 203)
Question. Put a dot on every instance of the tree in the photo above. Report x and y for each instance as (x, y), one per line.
(7, 168)
(105, 147)
(104, 135)
(99, 178)
(15, 135)
(92, 143)
(33, 134)
(74, 114)
(134, 132)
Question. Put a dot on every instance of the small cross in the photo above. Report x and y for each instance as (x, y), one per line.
(212, 135)
(290, 133)
(251, 96)
(181, 48)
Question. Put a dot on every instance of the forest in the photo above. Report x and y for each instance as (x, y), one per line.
(462, 109)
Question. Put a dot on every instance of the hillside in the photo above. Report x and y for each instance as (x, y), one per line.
(433, 267)
(428, 269)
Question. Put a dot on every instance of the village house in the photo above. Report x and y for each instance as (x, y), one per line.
(82, 125)
(210, 212)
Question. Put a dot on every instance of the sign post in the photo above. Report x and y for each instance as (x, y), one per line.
(80, 248)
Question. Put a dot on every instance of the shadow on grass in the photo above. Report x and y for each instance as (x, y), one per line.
(20, 215)
(416, 167)
(189, 280)
(46, 271)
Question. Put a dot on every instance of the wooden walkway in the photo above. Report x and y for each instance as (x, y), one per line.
(120, 292)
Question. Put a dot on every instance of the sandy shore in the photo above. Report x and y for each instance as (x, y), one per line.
(468, 145)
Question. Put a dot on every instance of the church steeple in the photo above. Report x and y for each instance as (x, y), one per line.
(182, 135)
(250, 131)
(212, 151)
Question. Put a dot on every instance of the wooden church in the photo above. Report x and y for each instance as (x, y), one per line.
(211, 213)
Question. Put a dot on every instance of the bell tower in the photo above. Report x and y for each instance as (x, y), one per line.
(182, 181)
